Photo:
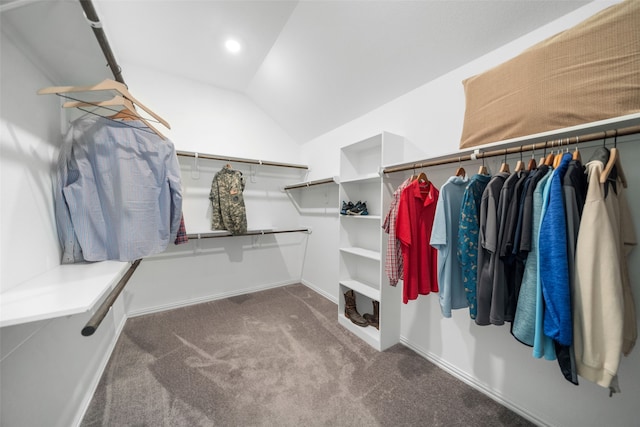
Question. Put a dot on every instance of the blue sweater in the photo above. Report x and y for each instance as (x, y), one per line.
(554, 265)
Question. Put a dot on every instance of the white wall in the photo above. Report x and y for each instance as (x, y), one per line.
(431, 117)
(47, 367)
(210, 120)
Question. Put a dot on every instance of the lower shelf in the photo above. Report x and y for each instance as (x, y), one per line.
(362, 288)
(368, 334)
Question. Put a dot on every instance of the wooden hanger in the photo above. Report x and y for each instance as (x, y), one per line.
(482, 170)
(106, 84)
(614, 161)
(549, 159)
(460, 171)
(532, 164)
(422, 179)
(128, 113)
(505, 166)
(576, 153)
(557, 159)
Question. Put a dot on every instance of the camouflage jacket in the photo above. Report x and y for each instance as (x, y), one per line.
(227, 202)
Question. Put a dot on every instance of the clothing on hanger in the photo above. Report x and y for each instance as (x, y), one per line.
(227, 201)
(394, 263)
(416, 212)
(444, 235)
(118, 194)
(468, 237)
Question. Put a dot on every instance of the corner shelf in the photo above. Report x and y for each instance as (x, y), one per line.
(62, 291)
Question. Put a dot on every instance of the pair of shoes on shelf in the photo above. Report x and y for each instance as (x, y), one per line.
(346, 207)
(351, 312)
(359, 208)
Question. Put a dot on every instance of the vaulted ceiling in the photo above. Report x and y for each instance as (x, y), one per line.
(311, 65)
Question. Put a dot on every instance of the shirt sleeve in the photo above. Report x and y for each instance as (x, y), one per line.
(403, 222)
(214, 197)
(69, 244)
(175, 189)
(393, 266)
(439, 229)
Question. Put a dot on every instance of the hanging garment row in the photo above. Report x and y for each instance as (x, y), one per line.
(543, 248)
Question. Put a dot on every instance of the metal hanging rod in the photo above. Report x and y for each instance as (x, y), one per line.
(248, 233)
(239, 160)
(92, 17)
(478, 154)
(331, 180)
(104, 308)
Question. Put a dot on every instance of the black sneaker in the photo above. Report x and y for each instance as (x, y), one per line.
(359, 209)
(346, 207)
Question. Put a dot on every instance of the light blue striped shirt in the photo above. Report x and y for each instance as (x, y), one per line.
(118, 194)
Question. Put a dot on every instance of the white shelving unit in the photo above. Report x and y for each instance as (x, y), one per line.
(363, 242)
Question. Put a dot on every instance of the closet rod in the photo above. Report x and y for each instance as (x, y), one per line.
(540, 147)
(310, 183)
(104, 308)
(92, 17)
(239, 160)
(249, 233)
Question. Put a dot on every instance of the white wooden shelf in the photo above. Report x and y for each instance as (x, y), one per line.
(369, 334)
(65, 290)
(362, 288)
(371, 177)
(363, 217)
(365, 253)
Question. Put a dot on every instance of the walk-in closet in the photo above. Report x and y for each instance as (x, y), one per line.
(320, 213)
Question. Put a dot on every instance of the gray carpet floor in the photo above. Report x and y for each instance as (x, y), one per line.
(275, 358)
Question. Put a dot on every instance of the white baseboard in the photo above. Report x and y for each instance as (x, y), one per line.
(208, 298)
(473, 382)
(93, 386)
(320, 291)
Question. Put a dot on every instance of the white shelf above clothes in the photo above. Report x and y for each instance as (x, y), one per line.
(62, 291)
(540, 142)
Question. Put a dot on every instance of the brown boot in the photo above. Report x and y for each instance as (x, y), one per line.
(350, 311)
(373, 319)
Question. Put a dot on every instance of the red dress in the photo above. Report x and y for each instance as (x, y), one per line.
(416, 211)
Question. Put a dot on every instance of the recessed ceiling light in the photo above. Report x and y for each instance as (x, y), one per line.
(233, 45)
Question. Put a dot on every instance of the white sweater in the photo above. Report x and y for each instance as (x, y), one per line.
(600, 294)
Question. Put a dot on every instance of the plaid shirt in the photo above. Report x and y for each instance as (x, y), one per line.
(181, 237)
(394, 266)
